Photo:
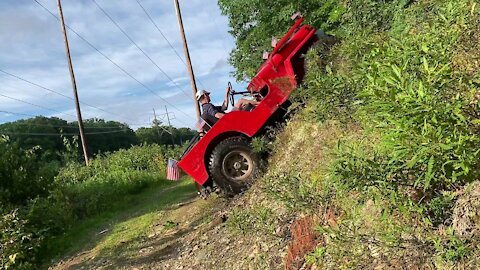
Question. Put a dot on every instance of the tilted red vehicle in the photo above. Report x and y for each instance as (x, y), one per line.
(224, 155)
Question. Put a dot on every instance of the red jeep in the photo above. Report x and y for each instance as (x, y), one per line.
(224, 155)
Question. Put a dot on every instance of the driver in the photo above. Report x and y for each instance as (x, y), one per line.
(208, 109)
(212, 113)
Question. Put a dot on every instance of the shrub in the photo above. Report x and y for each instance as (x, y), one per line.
(19, 244)
(149, 159)
(414, 100)
(78, 192)
(330, 93)
(406, 73)
(87, 190)
(22, 175)
(405, 91)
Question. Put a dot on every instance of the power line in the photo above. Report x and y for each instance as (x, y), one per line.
(59, 134)
(114, 63)
(55, 92)
(23, 114)
(143, 51)
(60, 126)
(31, 115)
(36, 105)
(161, 32)
(164, 37)
(169, 43)
(138, 47)
(35, 84)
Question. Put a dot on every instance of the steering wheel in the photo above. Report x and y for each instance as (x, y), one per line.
(232, 94)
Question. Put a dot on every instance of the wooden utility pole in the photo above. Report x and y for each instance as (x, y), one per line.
(187, 57)
(74, 86)
(157, 124)
(168, 116)
(169, 124)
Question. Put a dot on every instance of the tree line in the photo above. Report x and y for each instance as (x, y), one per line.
(57, 139)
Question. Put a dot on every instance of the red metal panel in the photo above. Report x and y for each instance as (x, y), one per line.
(247, 123)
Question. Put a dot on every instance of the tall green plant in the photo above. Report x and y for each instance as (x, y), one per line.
(419, 104)
(22, 175)
(19, 244)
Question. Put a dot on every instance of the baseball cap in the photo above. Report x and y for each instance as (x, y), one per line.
(200, 93)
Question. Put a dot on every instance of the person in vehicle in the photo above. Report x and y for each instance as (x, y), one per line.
(244, 104)
(208, 109)
(211, 113)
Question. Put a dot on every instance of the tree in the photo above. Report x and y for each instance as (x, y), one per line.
(108, 136)
(254, 22)
(164, 135)
(31, 132)
(45, 133)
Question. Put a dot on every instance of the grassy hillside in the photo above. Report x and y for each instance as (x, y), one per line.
(381, 168)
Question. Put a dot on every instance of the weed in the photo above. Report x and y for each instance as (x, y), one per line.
(168, 225)
(256, 219)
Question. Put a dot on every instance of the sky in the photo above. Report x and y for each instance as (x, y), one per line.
(129, 86)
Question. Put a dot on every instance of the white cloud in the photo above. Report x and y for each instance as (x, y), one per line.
(34, 50)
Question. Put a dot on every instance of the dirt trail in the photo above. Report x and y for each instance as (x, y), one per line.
(188, 235)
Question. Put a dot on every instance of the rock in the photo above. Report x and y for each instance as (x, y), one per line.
(225, 240)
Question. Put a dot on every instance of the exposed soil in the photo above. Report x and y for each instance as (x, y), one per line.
(191, 235)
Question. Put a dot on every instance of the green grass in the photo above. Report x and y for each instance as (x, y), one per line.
(128, 219)
(406, 97)
(252, 219)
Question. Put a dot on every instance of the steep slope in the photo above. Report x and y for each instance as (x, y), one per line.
(379, 171)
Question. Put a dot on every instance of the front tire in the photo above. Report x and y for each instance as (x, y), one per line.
(234, 165)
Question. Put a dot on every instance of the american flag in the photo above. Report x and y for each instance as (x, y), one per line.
(173, 172)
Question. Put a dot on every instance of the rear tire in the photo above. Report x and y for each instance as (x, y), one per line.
(234, 165)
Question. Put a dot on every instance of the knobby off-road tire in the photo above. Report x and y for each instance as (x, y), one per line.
(234, 165)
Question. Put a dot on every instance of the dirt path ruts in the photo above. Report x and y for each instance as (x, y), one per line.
(188, 235)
